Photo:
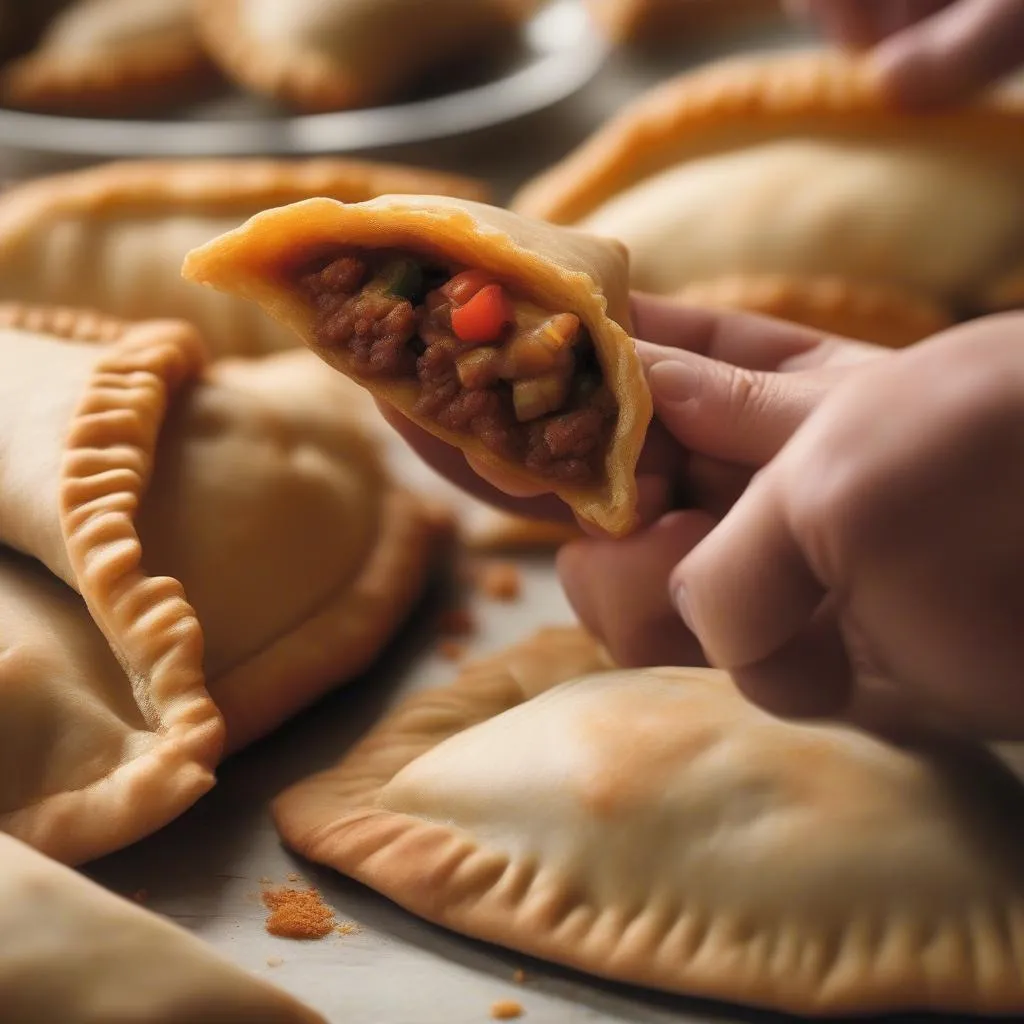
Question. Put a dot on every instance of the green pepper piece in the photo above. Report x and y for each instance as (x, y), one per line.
(402, 278)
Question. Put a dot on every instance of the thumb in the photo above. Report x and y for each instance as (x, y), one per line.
(728, 412)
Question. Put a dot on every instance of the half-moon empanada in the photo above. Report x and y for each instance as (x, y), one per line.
(670, 21)
(798, 168)
(112, 57)
(278, 561)
(322, 55)
(654, 827)
(74, 953)
(113, 237)
(497, 334)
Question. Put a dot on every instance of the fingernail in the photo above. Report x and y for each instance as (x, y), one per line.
(674, 382)
(682, 602)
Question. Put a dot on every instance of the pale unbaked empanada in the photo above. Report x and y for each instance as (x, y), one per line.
(500, 335)
(654, 827)
(113, 237)
(795, 172)
(321, 55)
(73, 953)
(241, 555)
(111, 57)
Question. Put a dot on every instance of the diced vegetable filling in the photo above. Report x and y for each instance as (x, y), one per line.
(490, 364)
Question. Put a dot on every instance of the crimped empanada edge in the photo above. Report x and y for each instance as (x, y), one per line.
(149, 624)
(829, 88)
(443, 875)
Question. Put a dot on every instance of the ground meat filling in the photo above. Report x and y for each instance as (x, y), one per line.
(526, 382)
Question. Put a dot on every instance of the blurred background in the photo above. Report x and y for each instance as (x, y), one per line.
(91, 80)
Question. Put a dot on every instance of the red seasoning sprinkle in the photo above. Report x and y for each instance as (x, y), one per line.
(501, 581)
(451, 650)
(506, 1009)
(297, 914)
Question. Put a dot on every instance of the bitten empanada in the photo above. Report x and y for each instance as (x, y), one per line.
(654, 827)
(73, 953)
(499, 335)
(796, 170)
(111, 57)
(322, 55)
(240, 554)
(113, 237)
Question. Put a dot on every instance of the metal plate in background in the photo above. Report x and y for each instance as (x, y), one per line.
(562, 51)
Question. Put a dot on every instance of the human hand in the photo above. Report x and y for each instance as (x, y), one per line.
(884, 539)
(926, 51)
(729, 390)
(735, 354)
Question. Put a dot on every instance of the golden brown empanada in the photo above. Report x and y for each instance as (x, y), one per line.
(795, 168)
(497, 334)
(112, 57)
(654, 827)
(228, 546)
(666, 21)
(73, 953)
(113, 237)
(321, 55)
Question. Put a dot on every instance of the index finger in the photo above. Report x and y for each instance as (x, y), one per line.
(747, 340)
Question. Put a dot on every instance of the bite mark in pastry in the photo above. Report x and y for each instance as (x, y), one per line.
(112, 57)
(797, 167)
(279, 560)
(497, 334)
(75, 953)
(323, 55)
(113, 237)
(654, 827)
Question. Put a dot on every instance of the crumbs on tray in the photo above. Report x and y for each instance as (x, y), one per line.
(506, 1009)
(500, 581)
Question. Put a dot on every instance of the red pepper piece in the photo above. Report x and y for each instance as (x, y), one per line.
(481, 320)
(462, 287)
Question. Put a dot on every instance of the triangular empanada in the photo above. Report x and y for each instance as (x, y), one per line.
(73, 953)
(322, 55)
(227, 543)
(111, 57)
(654, 827)
(797, 167)
(113, 237)
(527, 370)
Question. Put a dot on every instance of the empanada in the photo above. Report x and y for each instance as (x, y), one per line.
(497, 334)
(322, 55)
(73, 953)
(669, 21)
(112, 57)
(113, 237)
(796, 168)
(654, 827)
(228, 546)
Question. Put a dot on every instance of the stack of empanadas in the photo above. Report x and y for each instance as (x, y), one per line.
(790, 185)
(653, 827)
(118, 57)
(191, 555)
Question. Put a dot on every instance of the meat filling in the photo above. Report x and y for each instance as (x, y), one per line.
(526, 382)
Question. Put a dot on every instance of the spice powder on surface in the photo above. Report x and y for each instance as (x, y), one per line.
(297, 914)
